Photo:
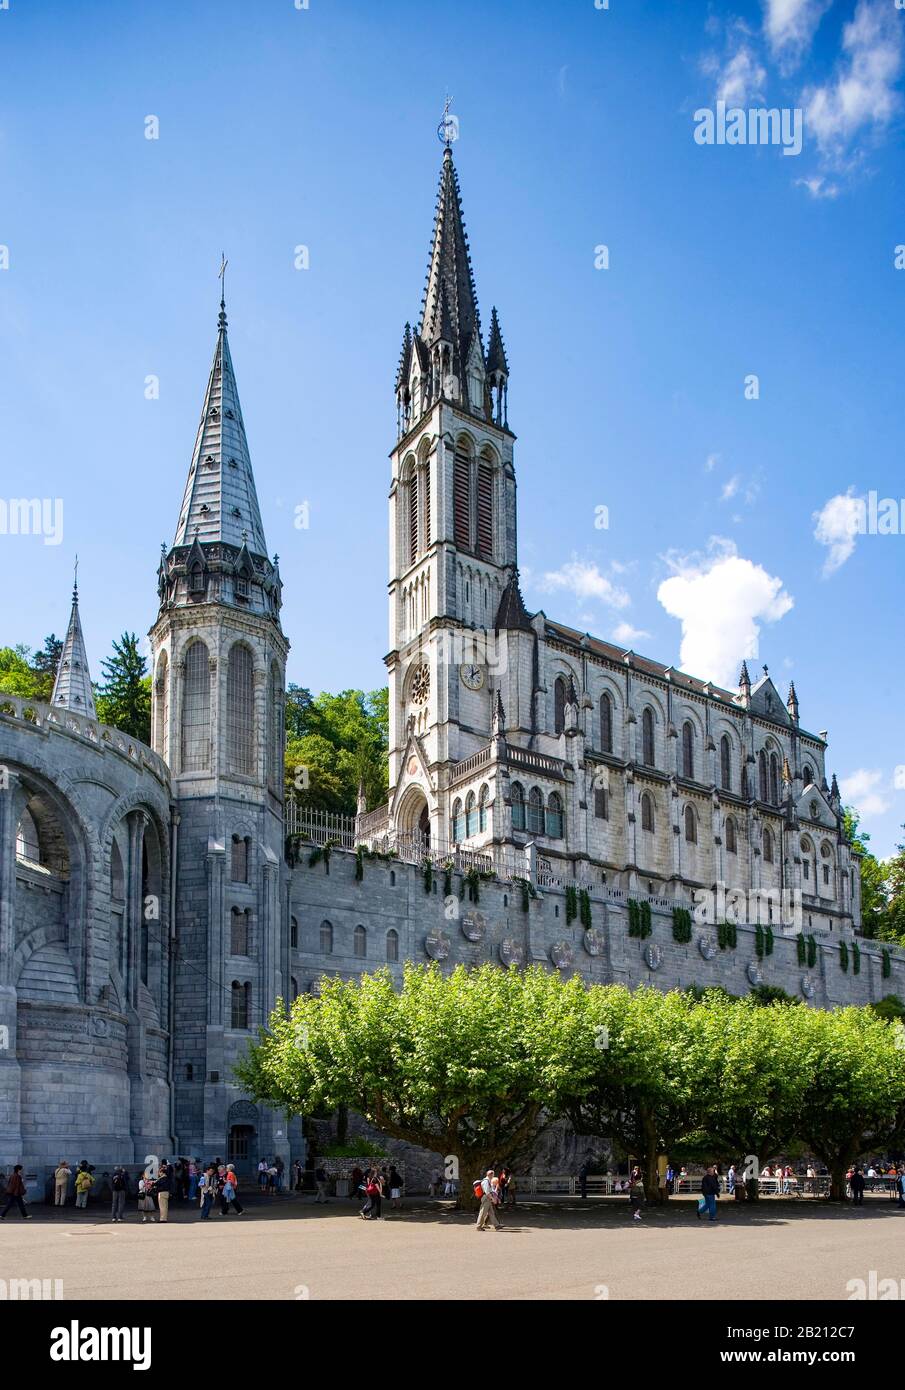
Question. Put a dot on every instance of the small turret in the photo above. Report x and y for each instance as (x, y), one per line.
(792, 703)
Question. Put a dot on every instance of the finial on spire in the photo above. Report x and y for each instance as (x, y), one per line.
(448, 129)
(75, 581)
(221, 276)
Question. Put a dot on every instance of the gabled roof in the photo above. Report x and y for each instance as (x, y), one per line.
(512, 613)
(220, 501)
(72, 687)
(449, 269)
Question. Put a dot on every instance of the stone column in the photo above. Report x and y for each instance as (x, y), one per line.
(137, 820)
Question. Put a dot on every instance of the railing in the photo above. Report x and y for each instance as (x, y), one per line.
(534, 762)
(470, 764)
(50, 718)
(320, 826)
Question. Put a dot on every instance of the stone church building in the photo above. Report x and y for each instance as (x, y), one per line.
(155, 902)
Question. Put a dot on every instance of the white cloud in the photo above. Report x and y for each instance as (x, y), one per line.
(721, 600)
(741, 79)
(790, 26)
(864, 790)
(838, 523)
(898, 780)
(625, 634)
(818, 187)
(730, 488)
(861, 94)
(711, 463)
(584, 580)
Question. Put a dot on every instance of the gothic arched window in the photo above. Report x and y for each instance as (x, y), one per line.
(536, 811)
(554, 816)
(601, 805)
(731, 837)
(462, 495)
(647, 737)
(117, 876)
(413, 515)
(240, 706)
(808, 775)
(483, 799)
(725, 764)
(360, 942)
(471, 815)
(392, 944)
(276, 729)
(647, 811)
(518, 806)
(606, 723)
(774, 779)
(691, 826)
(326, 939)
(162, 722)
(196, 709)
(241, 1004)
(559, 705)
(458, 822)
(238, 867)
(293, 932)
(768, 845)
(238, 932)
(762, 775)
(687, 750)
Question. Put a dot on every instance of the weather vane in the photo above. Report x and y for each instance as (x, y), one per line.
(448, 129)
(221, 276)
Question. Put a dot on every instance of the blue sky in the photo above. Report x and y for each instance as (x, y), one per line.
(280, 127)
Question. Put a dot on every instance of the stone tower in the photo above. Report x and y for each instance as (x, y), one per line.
(218, 662)
(452, 528)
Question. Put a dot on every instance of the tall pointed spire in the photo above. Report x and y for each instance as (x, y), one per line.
(220, 503)
(450, 269)
(792, 703)
(72, 687)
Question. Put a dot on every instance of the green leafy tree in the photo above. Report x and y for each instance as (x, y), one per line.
(17, 676)
(335, 742)
(893, 925)
(471, 1065)
(873, 877)
(44, 665)
(124, 699)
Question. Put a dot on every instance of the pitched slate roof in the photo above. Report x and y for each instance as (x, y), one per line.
(449, 274)
(72, 687)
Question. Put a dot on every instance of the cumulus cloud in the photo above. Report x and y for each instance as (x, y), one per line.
(790, 26)
(721, 600)
(837, 525)
(625, 634)
(865, 790)
(584, 580)
(818, 186)
(738, 73)
(861, 94)
(730, 488)
(711, 462)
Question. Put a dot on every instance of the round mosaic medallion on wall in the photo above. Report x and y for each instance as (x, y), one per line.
(437, 944)
(594, 941)
(653, 954)
(755, 974)
(512, 952)
(708, 946)
(474, 925)
(561, 954)
(808, 986)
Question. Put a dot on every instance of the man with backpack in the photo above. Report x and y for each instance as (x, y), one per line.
(119, 1186)
(484, 1189)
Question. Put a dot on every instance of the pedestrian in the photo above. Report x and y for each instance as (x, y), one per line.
(15, 1192)
(208, 1191)
(119, 1186)
(146, 1198)
(271, 1177)
(84, 1181)
(229, 1193)
(710, 1187)
(670, 1179)
(262, 1173)
(730, 1180)
(583, 1179)
(377, 1197)
(487, 1212)
(433, 1186)
(635, 1193)
(504, 1186)
(280, 1167)
(371, 1194)
(395, 1187)
(857, 1186)
(299, 1172)
(61, 1183)
(193, 1171)
(449, 1186)
(166, 1184)
(320, 1183)
(900, 1186)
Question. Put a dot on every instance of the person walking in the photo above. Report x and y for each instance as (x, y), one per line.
(730, 1180)
(280, 1167)
(487, 1210)
(229, 1193)
(395, 1187)
(377, 1196)
(166, 1186)
(84, 1181)
(119, 1186)
(61, 1183)
(146, 1198)
(433, 1186)
(369, 1188)
(710, 1187)
(320, 1183)
(15, 1192)
(583, 1179)
(208, 1191)
(857, 1186)
(193, 1171)
(262, 1173)
(636, 1193)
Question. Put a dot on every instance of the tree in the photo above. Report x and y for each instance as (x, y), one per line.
(873, 876)
(471, 1065)
(893, 926)
(334, 742)
(854, 1085)
(44, 666)
(124, 699)
(17, 676)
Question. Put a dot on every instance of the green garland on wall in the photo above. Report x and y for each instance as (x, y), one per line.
(843, 956)
(428, 875)
(571, 904)
(584, 908)
(801, 948)
(886, 966)
(856, 958)
(727, 936)
(812, 951)
(639, 919)
(681, 925)
(760, 944)
(528, 892)
(768, 941)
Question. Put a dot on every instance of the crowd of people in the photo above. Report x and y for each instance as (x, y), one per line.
(371, 1187)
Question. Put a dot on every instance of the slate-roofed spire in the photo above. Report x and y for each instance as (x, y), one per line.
(220, 502)
(72, 687)
(792, 703)
(405, 358)
(496, 348)
(450, 268)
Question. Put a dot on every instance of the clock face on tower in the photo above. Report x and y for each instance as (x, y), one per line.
(472, 676)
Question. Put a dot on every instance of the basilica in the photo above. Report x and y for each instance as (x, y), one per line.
(155, 902)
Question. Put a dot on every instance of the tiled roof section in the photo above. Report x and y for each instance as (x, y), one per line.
(640, 663)
(450, 269)
(220, 501)
(72, 687)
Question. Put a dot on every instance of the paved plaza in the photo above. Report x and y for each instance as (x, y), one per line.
(557, 1249)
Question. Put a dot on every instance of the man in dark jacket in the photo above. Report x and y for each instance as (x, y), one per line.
(710, 1187)
(15, 1192)
(165, 1187)
(857, 1185)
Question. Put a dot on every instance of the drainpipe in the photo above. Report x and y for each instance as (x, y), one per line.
(174, 851)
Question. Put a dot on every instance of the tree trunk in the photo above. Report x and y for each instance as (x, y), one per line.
(752, 1189)
(342, 1123)
(838, 1170)
(650, 1173)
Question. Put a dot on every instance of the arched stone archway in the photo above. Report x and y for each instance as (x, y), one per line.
(414, 814)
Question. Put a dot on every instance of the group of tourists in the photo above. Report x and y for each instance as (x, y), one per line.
(372, 1186)
(494, 1192)
(272, 1173)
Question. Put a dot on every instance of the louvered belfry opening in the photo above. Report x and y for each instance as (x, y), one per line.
(485, 509)
(413, 516)
(462, 496)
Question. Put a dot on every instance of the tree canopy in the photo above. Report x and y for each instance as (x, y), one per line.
(332, 743)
